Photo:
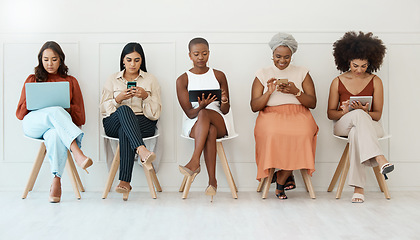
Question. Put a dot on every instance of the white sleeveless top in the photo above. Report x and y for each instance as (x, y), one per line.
(295, 74)
(203, 82)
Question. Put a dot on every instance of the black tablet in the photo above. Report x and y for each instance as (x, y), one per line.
(194, 94)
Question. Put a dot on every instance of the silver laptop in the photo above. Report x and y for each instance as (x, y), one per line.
(47, 94)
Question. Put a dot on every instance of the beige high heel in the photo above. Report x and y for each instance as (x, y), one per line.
(211, 191)
(85, 164)
(124, 191)
(147, 162)
(187, 172)
(54, 199)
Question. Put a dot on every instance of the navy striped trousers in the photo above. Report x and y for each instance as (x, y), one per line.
(130, 129)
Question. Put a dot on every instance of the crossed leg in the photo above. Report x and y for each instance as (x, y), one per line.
(209, 126)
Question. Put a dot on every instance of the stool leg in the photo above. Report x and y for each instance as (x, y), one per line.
(304, 181)
(268, 183)
(339, 169)
(226, 169)
(150, 182)
(343, 175)
(71, 175)
(35, 170)
(155, 180)
(378, 176)
(308, 182)
(261, 184)
(184, 181)
(381, 181)
(75, 173)
(112, 172)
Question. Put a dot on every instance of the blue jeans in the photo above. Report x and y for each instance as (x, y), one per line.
(54, 125)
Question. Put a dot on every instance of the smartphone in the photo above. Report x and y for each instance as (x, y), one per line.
(282, 80)
(131, 84)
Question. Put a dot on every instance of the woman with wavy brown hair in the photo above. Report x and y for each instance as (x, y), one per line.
(58, 127)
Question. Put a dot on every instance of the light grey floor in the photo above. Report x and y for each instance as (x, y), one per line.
(170, 217)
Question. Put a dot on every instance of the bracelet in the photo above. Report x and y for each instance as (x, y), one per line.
(227, 101)
(299, 93)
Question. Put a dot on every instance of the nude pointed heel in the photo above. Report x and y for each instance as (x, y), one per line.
(211, 191)
(147, 162)
(87, 163)
(124, 191)
(125, 196)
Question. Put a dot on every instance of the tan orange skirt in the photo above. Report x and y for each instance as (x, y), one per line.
(285, 138)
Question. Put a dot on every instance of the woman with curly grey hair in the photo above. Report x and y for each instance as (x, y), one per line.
(357, 55)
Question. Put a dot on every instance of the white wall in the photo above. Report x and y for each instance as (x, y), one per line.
(92, 34)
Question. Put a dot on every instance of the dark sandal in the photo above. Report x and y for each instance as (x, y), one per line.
(387, 168)
(281, 195)
(290, 182)
(274, 179)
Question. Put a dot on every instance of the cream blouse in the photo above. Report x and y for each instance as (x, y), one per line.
(149, 107)
(295, 74)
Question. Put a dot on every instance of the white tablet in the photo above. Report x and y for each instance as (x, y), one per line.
(362, 99)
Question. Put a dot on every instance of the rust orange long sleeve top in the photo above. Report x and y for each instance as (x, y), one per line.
(77, 108)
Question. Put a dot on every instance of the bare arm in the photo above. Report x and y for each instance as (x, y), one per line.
(225, 104)
(258, 99)
(333, 101)
(308, 96)
(378, 99)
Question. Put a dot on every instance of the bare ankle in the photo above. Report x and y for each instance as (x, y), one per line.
(359, 190)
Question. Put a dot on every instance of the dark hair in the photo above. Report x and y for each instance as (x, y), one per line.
(197, 40)
(130, 48)
(41, 75)
(359, 46)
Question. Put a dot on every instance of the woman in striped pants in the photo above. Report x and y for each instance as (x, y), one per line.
(131, 106)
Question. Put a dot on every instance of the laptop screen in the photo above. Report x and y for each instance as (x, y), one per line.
(47, 94)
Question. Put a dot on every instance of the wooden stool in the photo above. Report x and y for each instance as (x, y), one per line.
(266, 182)
(186, 182)
(151, 177)
(71, 169)
(343, 169)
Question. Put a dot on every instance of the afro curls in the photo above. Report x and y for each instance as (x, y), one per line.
(359, 46)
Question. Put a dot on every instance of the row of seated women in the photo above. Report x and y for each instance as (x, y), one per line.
(285, 131)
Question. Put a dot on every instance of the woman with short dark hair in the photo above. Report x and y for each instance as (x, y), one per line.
(205, 120)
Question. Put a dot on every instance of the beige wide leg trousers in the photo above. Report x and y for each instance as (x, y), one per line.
(363, 134)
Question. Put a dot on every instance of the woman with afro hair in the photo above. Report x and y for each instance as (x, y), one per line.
(357, 56)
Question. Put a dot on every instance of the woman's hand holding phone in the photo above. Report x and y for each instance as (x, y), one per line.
(284, 86)
(139, 92)
(124, 95)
